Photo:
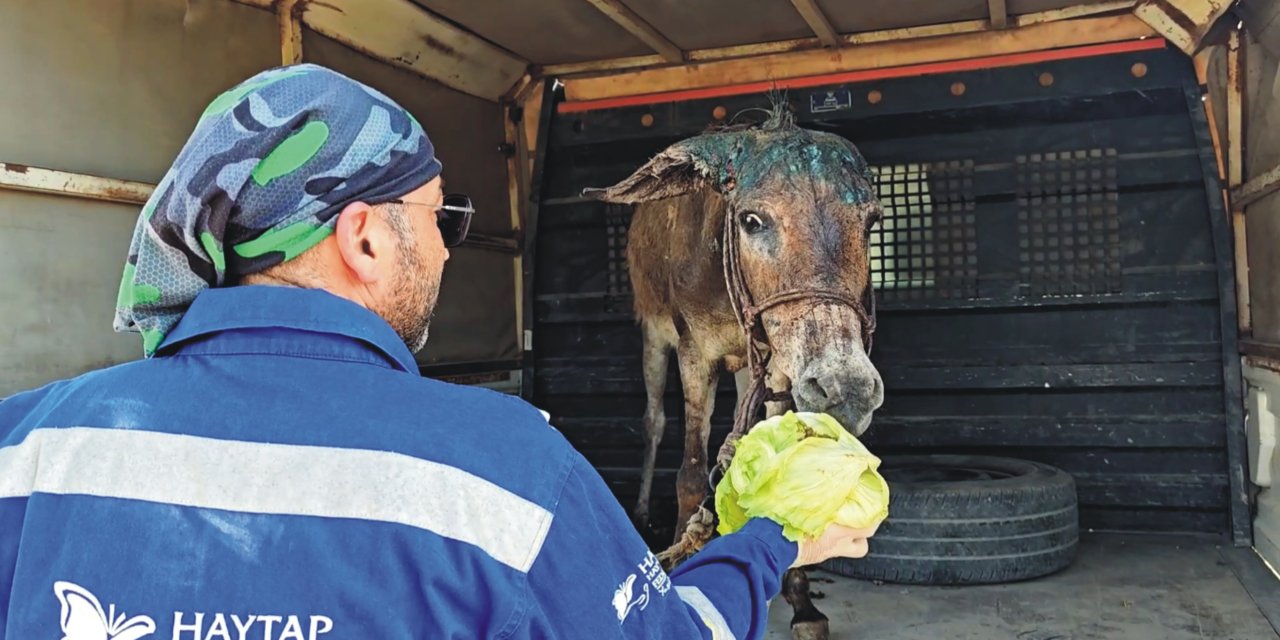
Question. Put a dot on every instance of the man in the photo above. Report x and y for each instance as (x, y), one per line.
(276, 468)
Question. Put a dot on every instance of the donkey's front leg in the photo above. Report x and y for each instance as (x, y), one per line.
(699, 376)
(658, 341)
(807, 623)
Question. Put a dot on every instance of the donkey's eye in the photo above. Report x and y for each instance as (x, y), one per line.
(752, 222)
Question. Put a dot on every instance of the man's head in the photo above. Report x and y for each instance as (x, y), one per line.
(298, 176)
(387, 257)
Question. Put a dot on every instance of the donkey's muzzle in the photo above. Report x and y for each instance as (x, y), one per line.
(849, 388)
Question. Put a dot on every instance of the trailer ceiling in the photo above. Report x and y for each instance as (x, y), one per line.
(548, 32)
(494, 49)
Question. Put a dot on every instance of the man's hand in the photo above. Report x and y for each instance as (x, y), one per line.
(837, 541)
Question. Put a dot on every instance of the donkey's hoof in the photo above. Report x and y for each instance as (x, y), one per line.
(810, 630)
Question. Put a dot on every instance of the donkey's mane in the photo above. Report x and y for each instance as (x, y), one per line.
(778, 117)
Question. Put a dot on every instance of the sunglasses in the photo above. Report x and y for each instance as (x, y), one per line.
(453, 216)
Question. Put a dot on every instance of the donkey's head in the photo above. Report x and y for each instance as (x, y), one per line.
(800, 205)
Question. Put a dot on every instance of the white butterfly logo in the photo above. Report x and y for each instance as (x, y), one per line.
(623, 602)
(84, 619)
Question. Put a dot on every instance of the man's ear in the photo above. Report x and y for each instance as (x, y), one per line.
(361, 242)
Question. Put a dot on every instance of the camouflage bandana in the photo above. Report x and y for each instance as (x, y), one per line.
(263, 177)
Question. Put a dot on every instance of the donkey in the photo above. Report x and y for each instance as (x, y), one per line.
(797, 206)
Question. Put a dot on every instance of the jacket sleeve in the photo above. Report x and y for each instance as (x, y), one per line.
(595, 577)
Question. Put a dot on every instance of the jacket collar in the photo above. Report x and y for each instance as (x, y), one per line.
(240, 314)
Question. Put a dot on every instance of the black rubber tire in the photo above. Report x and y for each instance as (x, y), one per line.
(970, 520)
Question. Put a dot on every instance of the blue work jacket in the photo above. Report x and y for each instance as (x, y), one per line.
(281, 471)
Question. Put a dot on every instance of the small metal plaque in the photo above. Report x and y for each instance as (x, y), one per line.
(828, 101)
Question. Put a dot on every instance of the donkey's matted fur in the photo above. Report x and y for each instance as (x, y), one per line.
(803, 204)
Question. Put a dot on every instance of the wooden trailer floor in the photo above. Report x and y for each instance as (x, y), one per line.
(1125, 586)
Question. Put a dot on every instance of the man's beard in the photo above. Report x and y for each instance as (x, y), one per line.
(413, 300)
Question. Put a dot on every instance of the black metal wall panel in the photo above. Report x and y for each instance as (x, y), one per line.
(1046, 266)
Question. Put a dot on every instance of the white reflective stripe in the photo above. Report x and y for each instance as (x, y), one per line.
(280, 479)
(711, 617)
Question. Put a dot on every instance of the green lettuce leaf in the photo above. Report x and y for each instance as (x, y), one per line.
(805, 472)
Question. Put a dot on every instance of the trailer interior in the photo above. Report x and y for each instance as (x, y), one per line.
(1075, 266)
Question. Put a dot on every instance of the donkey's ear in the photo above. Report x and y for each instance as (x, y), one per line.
(682, 168)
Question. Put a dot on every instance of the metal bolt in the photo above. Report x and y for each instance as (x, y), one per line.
(719, 113)
(874, 96)
(957, 89)
(646, 120)
(1046, 79)
(1138, 69)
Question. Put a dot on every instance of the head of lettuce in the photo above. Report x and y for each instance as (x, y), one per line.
(805, 472)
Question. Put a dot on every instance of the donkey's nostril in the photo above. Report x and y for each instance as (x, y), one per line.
(823, 391)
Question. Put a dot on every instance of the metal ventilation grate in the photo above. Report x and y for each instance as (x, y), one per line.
(1069, 239)
(617, 222)
(926, 244)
